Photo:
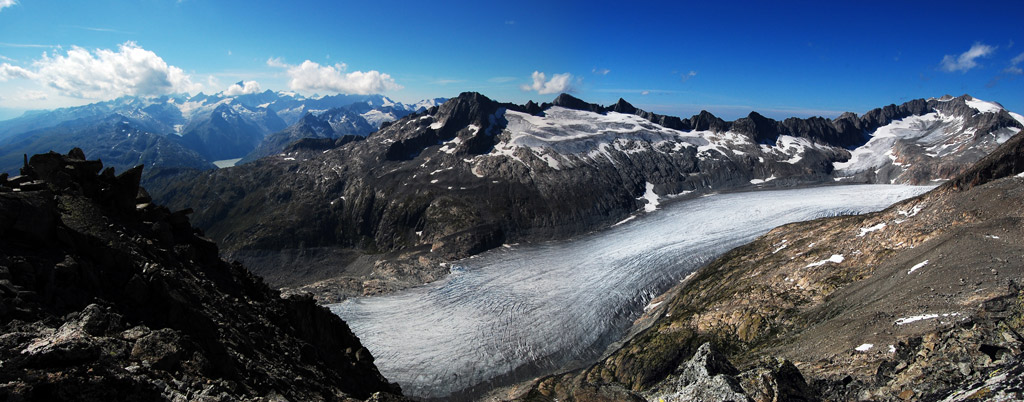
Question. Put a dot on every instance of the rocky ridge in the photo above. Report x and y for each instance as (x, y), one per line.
(921, 301)
(105, 295)
(382, 213)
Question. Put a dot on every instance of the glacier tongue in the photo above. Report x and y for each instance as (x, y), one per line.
(516, 313)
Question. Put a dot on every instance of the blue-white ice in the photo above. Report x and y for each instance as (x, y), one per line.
(515, 313)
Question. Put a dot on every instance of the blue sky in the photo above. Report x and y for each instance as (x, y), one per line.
(781, 59)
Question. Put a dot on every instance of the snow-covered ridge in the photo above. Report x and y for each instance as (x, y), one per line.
(574, 132)
(895, 150)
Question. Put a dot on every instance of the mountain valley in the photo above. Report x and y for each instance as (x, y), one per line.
(355, 217)
(844, 307)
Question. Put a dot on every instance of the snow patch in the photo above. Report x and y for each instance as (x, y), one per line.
(780, 246)
(226, 163)
(911, 212)
(864, 231)
(1019, 118)
(908, 320)
(983, 106)
(761, 181)
(919, 265)
(835, 258)
(865, 347)
(625, 220)
(651, 197)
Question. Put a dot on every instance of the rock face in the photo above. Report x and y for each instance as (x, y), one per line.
(382, 213)
(107, 296)
(921, 301)
(707, 376)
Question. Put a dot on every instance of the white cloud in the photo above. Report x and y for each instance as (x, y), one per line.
(104, 73)
(243, 88)
(8, 72)
(501, 80)
(558, 83)
(966, 60)
(645, 92)
(1014, 67)
(312, 77)
(7, 3)
(687, 76)
(601, 71)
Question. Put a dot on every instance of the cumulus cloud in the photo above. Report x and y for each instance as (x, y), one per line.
(243, 88)
(8, 71)
(104, 73)
(966, 60)
(558, 83)
(1014, 67)
(7, 3)
(313, 77)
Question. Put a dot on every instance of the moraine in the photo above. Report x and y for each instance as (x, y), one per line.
(521, 311)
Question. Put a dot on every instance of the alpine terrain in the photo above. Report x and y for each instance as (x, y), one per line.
(357, 216)
(921, 301)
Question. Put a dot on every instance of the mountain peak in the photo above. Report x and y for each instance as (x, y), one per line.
(571, 102)
(623, 107)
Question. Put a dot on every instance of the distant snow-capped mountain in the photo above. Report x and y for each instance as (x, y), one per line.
(215, 127)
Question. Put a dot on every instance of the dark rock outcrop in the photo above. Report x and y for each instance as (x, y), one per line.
(107, 296)
(707, 376)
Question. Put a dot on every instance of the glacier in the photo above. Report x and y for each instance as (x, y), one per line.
(522, 311)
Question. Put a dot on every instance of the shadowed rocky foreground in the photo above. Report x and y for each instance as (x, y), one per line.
(107, 296)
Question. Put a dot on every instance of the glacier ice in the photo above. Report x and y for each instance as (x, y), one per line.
(518, 312)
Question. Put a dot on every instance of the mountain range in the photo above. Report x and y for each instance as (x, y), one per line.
(361, 216)
(105, 293)
(189, 131)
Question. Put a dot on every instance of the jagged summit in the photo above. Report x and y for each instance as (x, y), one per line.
(621, 106)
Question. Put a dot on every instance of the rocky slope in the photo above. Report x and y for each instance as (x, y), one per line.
(380, 214)
(921, 301)
(107, 296)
